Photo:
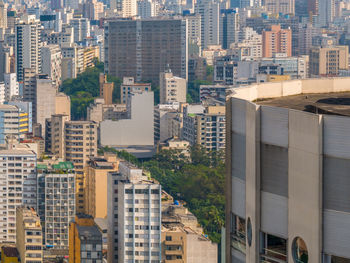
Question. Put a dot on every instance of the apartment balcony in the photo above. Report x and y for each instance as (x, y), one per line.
(173, 242)
(173, 252)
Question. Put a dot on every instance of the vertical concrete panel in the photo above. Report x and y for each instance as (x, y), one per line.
(228, 193)
(304, 182)
(253, 178)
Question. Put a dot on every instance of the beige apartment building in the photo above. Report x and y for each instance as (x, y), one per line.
(327, 61)
(172, 88)
(95, 194)
(80, 145)
(28, 235)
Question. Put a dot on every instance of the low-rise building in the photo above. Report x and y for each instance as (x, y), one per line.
(172, 88)
(9, 254)
(130, 86)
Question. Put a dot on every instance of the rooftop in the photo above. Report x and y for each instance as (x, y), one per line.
(89, 233)
(335, 103)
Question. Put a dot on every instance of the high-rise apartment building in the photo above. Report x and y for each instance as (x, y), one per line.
(3, 15)
(287, 155)
(280, 6)
(194, 34)
(28, 45)
(327, 61)
(209, 11)
(277, 40)
(206, 128)
(14, 123)
(18, 179)
(134, 216)
(172, 88)
(143, 48)
(51, 57)
(125, 8)
(96, 175)
(85, 240)
(80, 145)
(54, 136)
(56, 202)
(29, 235)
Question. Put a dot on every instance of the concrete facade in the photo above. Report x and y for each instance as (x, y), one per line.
(286, 172)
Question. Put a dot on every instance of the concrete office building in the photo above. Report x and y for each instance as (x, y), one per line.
(14, 123)
(51, 63)
(56, 202)
(209, 11)
(143, 48)
(287, 157)
(129, 86)
(95, 194)
(85, 240)
(72, 60)
(134, 216)
(18, 179)
(28, 45)
(328, 61)
(137, 129)
(29, 235)
(171, 88)
(280, 6)
(277, 40)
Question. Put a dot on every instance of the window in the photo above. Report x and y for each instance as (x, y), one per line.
(273, 248)
(168, 238)
(299, 251)
(238, 233)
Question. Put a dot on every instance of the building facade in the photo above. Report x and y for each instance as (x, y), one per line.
(143, 48)
(134, 216)
(56, 202)
(29, 235)
(287, 155)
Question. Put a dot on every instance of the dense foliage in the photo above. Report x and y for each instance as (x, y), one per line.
(193, 86)
(85, 87)
(198, 180)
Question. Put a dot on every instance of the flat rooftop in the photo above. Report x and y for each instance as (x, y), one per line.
(335, 103)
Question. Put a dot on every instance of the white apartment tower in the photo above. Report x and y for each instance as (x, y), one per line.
(28, 45)
(51, 57)
(134, 216)
(18, 187)
(11, 85)
(172, 88)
